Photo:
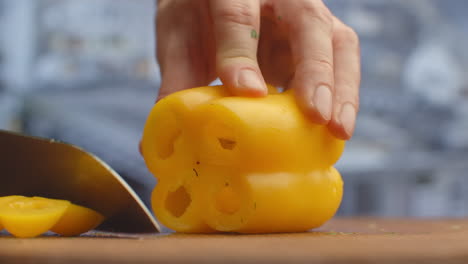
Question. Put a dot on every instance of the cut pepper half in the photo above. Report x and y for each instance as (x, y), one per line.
(26, 217)
(30, 217)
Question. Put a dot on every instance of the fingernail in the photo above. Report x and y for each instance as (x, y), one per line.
(323, 101)
(250, 79)
(348, 118)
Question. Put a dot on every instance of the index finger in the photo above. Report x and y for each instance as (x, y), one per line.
(310, 34)
(236, 27)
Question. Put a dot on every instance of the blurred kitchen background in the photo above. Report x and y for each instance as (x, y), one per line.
(83, 71)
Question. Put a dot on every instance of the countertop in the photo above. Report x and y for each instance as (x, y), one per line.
(341, 240)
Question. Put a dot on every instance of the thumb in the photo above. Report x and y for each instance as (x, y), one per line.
(236, 27)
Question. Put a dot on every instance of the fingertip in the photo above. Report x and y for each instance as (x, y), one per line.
(314, 116)
(236, 26)
(244, 81)
(337, 131)
(322, 102)
(343, 124)
(251, 83)
(316, 105)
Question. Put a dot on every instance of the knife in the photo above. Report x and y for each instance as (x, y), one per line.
(34, 166)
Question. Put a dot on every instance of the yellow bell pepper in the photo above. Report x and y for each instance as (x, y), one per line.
(237, 164)
(32, 216)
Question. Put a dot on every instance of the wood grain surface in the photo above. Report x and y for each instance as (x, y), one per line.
(356, 240)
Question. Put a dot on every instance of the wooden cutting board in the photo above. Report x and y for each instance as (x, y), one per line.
(356, 240)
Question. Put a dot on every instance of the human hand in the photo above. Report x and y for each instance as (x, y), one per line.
(294, 44)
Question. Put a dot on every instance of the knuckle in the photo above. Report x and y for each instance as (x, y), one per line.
(357, 104)
(238, 13)
(319, 13)
(354, 100)
(345, 35)
(318, 66)
(161, 3)
(350, 79)
(316, 70)
(347, 95)
(236, 57)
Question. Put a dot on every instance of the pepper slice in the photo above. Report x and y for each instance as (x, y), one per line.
(237, 164)
(32, 216)
(29, 217)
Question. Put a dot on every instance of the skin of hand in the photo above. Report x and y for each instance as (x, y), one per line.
(294, 44)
